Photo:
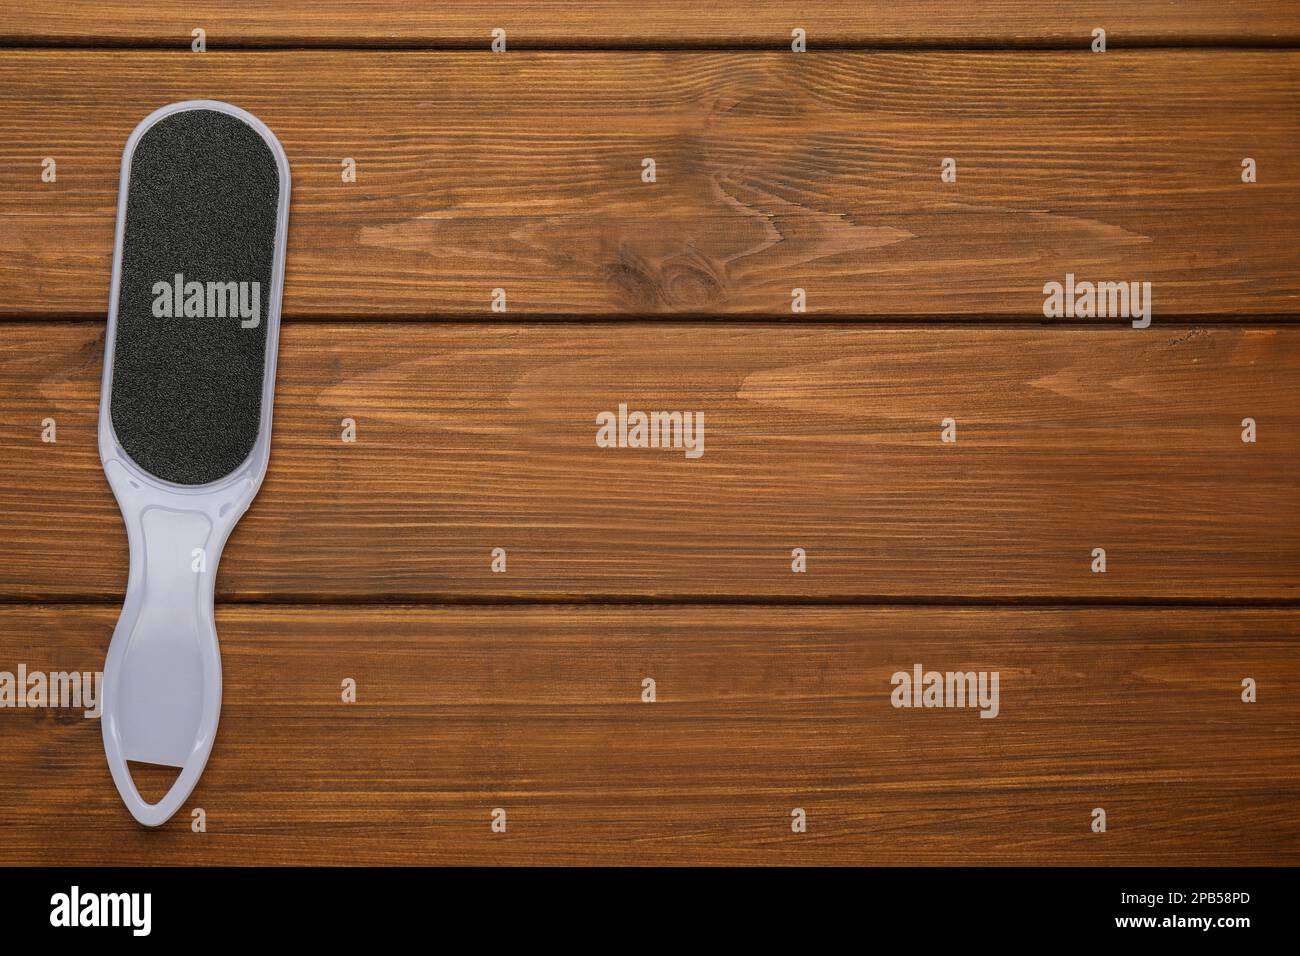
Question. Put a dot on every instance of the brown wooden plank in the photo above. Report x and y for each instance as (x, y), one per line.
(774, 172)
(759, 710)
(474, 437)
(532, 24)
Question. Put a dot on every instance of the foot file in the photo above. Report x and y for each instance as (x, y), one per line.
(185, 415)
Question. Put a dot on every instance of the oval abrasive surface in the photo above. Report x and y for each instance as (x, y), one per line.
(198, 251)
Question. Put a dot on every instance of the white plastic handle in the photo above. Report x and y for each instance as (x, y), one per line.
(162, 678)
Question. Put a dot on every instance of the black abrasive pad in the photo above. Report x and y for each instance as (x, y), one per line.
(198, 250)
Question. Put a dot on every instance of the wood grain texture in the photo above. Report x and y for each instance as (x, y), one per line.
(473, 437)
(532, 24)
(758, 711)
(774, 172)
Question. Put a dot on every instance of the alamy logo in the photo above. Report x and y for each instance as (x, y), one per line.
(74, 689)
(103, 909)
(951, 689)
(1101, 300)
(684, 430)
(208, 300)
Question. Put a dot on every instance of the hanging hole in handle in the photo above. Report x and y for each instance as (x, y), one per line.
(153, 781)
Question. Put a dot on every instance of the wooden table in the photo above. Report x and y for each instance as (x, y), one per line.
(525, 690)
